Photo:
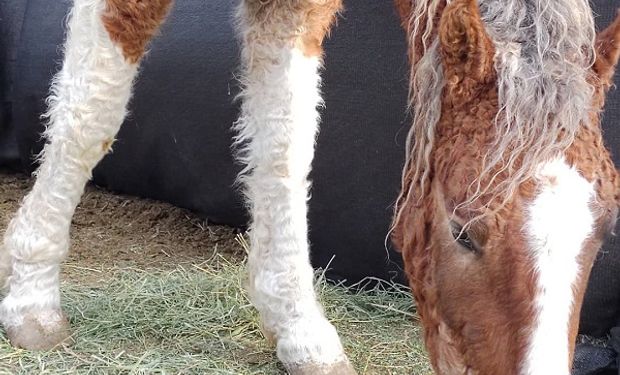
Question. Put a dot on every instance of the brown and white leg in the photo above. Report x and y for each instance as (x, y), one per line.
(281, 59)
(87, 104)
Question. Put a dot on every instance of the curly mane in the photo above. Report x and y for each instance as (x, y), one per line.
(544, 50)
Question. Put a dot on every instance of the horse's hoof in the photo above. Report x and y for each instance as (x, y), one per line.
(41, 334)
(343, 367)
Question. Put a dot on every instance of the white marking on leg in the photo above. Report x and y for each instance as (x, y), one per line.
(86, 108)
(560, 220)
(277, 131)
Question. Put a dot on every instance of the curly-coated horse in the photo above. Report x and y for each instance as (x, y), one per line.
(507, 189)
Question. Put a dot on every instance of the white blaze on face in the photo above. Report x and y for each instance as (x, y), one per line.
(559, 220)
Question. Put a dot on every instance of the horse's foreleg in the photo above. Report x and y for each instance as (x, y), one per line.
(105, 41)
(281, 59)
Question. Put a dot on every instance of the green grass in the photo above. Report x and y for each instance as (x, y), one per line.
(197, 319)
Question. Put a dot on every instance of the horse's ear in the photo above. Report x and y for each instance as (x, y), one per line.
(608, 52)
(466, 48)
(403, 7)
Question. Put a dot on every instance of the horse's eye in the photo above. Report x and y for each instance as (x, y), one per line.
(462, 237)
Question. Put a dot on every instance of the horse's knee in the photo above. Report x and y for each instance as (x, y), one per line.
(320, 16)
(132, 23)
(303, 24)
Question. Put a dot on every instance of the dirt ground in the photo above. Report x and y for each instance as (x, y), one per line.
(151, 288)
(116, 231)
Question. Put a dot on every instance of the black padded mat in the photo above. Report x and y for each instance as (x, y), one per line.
(11, 18)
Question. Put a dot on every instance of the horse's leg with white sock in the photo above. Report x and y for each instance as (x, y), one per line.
(281, 59)
(87, 104)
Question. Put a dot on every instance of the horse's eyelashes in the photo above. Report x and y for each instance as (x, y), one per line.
(462, 237)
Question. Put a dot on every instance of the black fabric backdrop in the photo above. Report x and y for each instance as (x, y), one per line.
(175, 144)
